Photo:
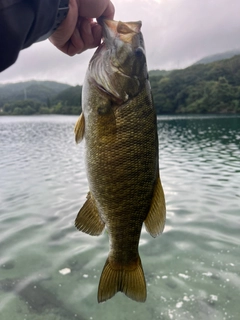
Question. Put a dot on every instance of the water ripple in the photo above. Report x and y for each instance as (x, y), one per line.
(192, 270)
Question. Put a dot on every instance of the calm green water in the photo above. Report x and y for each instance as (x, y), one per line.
(192, 270)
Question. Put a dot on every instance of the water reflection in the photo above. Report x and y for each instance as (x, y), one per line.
(209, 129)
(192, 270)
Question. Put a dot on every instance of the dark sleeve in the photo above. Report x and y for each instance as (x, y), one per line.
(22, 22)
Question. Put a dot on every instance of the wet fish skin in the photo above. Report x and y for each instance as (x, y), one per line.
(121, 150)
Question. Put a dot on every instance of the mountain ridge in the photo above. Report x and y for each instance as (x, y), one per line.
(201, 88)
(218, 57)
(33, 89)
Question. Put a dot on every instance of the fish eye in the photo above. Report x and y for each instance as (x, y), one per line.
(139, 52)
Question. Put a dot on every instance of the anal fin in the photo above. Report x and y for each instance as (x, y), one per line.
(79, 128)
(88, 219)
(156, 217)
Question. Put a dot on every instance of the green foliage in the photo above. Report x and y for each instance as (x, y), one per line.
(154, 73)
(201, 88)
(60, 108)
(211, 88)
(23, 107)
(69, 97)
(66, 102)
(42, 91)
(44, 110)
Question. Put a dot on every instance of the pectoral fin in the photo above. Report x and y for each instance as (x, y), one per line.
(88, 219)
(156, 217)
(79, 128)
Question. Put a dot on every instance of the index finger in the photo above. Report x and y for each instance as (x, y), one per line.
(109, 11)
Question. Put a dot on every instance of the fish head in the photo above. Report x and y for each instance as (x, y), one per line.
(118, 66)
(125, 43)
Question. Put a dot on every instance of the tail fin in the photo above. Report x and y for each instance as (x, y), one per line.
(130, 281)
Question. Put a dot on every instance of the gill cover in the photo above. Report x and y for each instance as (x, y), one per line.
(125, 43)
(118, 67)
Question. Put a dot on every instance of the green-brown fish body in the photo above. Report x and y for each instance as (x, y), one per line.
(121, 146)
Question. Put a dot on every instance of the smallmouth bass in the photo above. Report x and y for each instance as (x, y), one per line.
(119, 125)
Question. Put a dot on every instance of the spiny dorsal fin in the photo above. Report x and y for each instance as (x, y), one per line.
(129, 280)
(88, 219)
(79, 128)
(156, 217)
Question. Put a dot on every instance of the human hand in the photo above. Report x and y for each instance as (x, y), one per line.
(78, 32)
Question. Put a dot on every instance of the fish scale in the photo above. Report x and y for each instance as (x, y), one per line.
(121, 151)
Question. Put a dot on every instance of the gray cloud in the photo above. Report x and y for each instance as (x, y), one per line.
(176, 33)
(43, 61)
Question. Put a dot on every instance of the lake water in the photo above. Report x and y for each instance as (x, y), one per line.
(192, 270)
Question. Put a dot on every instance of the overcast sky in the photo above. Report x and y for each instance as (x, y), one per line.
(177, 33)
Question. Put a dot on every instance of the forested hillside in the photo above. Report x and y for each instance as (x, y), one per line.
(219, 56)
(40, 91)
(201, 88)
(210, 88)
(57, 98)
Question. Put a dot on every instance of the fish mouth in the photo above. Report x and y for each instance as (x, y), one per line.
(117, 29)
(117, 52)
